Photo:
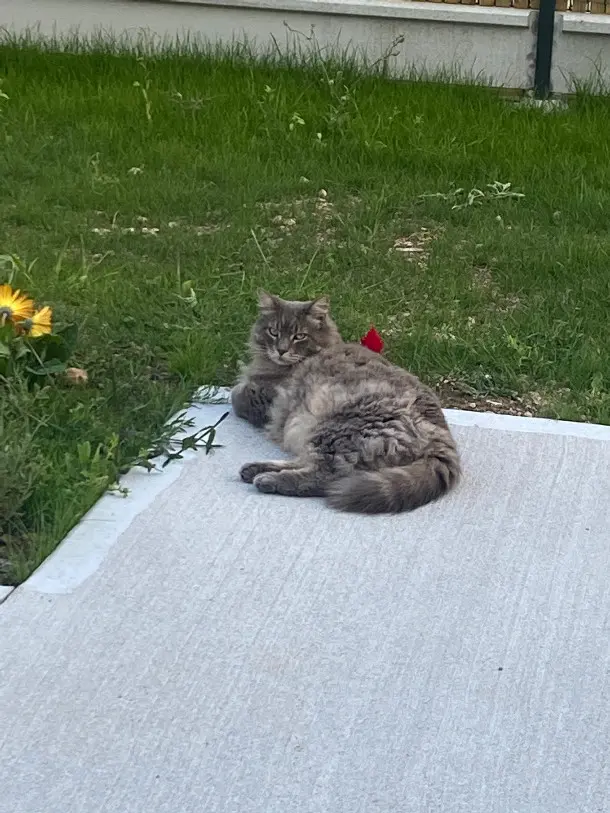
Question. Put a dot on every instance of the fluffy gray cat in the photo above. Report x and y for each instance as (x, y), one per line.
(365, 434)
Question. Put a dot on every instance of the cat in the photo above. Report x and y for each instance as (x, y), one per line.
(365, 434)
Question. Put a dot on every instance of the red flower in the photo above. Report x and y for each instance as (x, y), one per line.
(372, 340)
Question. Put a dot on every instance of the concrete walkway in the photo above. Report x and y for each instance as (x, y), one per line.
(201, 648)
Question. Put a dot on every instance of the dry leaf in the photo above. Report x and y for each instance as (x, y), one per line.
(77, 376)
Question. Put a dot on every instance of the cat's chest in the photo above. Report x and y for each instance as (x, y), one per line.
(297, 431)
(305, 409)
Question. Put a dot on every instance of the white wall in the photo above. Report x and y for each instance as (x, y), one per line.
(582, 51)
(494, 44)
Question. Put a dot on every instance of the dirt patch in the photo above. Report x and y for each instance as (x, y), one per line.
(143, 227)
(286, 215)
(456, 395)
(285, 223)
(482, 279)
(415, 248)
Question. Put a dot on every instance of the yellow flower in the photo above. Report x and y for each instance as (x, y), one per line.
(14, 305)
(39, 323)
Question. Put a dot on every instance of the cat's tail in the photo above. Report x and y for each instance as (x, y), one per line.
(396, 489)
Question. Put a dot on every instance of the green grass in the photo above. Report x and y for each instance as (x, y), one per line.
(508, 298)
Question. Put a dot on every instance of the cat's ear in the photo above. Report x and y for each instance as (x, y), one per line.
(320, 307)
(266, 302)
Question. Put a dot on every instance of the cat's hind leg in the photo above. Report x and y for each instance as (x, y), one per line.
(305, 476)
(305, 481)
(251, 470)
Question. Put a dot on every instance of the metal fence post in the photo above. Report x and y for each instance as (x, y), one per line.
(544, 49)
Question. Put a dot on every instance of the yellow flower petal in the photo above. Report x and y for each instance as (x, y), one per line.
(40, 323)
(14, 305)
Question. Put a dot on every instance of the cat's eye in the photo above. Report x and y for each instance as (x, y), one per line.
(272, 332)
(298, 337)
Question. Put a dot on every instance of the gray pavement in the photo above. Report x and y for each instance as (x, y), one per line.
(200, 647)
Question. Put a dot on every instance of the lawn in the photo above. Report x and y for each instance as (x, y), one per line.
(146, 200)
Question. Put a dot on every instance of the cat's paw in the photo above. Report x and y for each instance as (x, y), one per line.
(250, 470)
(267, 483)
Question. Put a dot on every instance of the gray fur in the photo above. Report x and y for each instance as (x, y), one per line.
(365, 434)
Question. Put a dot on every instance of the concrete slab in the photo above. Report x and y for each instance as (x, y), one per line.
(224, 651)
(5, 591)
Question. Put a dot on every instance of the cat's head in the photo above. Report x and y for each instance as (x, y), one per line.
(288, 332)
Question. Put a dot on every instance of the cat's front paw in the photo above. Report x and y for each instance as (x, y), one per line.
(267, 483)
(250, 470)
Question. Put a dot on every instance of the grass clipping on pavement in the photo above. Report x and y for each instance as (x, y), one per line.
(146, 199)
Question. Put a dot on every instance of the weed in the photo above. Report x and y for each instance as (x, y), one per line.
(461, 198)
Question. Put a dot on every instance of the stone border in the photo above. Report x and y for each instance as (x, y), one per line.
(575, 23)
(519, 423)
(392, 9)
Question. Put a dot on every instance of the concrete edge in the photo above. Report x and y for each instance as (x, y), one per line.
(575, 23)
(519, 423)
(395, 9)
(85, 547)
(5, 591)
(83, 550)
